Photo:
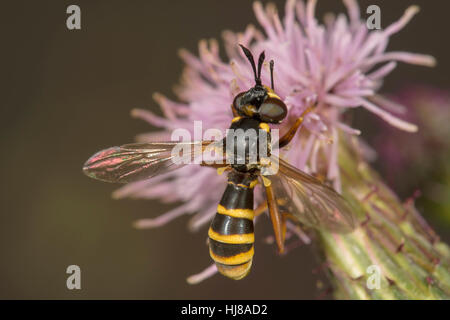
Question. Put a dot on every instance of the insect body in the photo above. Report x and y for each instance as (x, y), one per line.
(231, 234)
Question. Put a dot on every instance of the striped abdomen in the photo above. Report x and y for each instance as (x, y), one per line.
(231, 234)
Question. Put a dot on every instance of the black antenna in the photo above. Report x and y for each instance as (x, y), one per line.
(261, 58)
(252, 62)
(271, 74)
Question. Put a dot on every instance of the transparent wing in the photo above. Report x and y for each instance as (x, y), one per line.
(310, 201)
(139, 161)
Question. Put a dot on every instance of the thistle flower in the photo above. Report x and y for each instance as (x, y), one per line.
(337, 66)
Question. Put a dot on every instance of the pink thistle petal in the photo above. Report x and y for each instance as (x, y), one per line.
(162, 219)
(333, 170)
(404, 20)
(341, 101)
(202, 218)
(383, 71)
(310, 13)
(289, 18)
(388, 104)
(392, 120)
(155, 120)
(264, 20)
(314, 161)
(353, 11)
(205, 274)
(356, 92)
(411, 58)
(131, 189)
(348, 129)
(298, 232)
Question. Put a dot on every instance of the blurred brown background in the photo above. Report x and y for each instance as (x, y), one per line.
(66, 94)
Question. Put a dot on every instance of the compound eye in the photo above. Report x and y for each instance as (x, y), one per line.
(237, 103)
(272, 110)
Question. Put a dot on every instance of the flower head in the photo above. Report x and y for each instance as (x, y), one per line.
(337, 65)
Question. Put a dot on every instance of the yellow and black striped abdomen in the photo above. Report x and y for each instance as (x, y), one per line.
(231, 234)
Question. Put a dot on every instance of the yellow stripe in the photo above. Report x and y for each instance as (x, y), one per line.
(253, 183)
(235, 272)
(268, 89)
(236, 213)
(264, 126)
(236, 119)
(251, 186)
(273, 95)
(232, 238)
(237, 259)
(266, 181)
(221, 170)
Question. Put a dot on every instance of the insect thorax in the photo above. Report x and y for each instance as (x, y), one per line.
(248, 141)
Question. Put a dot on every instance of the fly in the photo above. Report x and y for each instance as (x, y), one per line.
(290, 193)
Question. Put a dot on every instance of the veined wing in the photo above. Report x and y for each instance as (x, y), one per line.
(139, 161)
(310, 201)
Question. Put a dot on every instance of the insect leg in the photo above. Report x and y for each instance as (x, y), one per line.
(284, 140)
(276, 218)
(261, 208)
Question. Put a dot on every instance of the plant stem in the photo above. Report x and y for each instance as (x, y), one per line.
(391, 236)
